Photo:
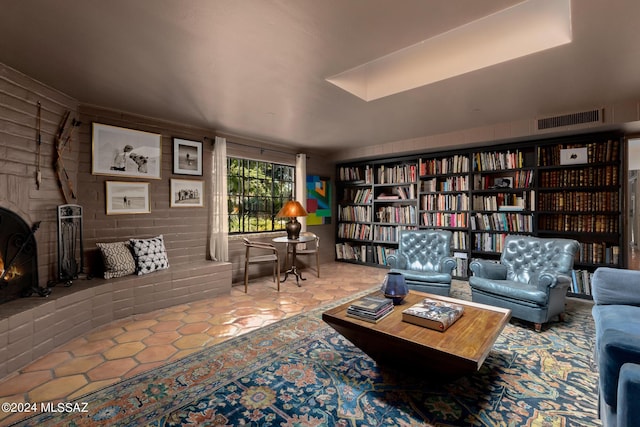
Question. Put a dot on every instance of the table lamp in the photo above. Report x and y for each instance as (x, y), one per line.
(292, 209)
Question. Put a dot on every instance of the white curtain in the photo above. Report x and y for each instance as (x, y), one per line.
(301, 186)
(219, 224)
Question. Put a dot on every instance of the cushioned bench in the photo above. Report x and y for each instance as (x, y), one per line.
(32, 327)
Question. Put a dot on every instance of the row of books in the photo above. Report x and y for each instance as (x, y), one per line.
(397, 174)
(462, 264)
(397, 214)
(488, 242)
(502, 221)
(581, 282)
(490, 161)
(599, 253)
(354, 231)
(588, 223)
(356, 174)
(517, 179)
(445, 202)
(355, 213)
(374, 254)
(451, 183)
(443, 219)
(505, 201)
(587, 176)
(400, 192)
(362, 196)
(455, 164)
(608, 151)
(385, 233)
(370, 309)
(579, 201)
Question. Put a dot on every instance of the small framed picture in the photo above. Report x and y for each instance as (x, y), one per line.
(187, 193)
(132, 153)
(187, 157)
(503, 182)
(127, 197)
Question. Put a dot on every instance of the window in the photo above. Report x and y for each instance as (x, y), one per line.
(256, 192)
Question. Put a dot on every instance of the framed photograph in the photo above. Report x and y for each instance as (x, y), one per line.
(187, 157)
(118, 151)
(503, 182)
(127, 197)
(187, 193)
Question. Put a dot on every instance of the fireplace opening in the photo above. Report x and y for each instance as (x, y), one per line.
(18, 258)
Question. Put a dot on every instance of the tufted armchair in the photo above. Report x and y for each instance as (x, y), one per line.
(423, 258)
(531, 279)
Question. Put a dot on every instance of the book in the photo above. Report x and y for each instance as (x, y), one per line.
(371, 319)
(370, 304)
(433, 314)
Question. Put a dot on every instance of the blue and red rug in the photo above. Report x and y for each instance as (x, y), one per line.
(300, 372)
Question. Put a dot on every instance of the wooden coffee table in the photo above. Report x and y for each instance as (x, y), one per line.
(459, 350)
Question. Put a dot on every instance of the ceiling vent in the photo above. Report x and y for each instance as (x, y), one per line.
(592, 116)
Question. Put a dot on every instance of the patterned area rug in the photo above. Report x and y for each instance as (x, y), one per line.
(300, 372)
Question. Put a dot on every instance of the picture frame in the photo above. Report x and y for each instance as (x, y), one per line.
(118, 151)
(127, 197)
(187, 193)
(187, 157)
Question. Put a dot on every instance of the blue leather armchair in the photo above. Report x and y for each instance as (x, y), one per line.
(616, 293)
(424, 259)
(531, 279)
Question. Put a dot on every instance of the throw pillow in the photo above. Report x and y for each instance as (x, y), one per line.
(150, 254)
(118, 260)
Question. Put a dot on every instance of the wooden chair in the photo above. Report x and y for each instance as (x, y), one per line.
(313, 248)
(261, 257)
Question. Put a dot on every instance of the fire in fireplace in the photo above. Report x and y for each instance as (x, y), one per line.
(18, 258)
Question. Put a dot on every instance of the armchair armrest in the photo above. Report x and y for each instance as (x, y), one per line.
(548, 279)
(261, 245)
(447, 264)
(616, 286)
(398, 261)
(488, 269)
(628, 411)
(617, 349)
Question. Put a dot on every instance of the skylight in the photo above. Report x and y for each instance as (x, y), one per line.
(525, 28)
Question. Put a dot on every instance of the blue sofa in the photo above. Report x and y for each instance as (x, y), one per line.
(616, 313)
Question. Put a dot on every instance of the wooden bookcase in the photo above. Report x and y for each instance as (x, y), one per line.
(563, 187)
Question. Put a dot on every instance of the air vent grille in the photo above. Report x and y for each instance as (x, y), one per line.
(593, 116)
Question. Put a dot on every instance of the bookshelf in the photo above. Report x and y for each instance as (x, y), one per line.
(579, 197)
(444, 202)
(563, 187)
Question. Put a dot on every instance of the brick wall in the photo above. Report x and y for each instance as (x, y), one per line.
(19, 95)
(185, 230)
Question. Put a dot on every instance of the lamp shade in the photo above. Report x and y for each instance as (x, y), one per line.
(291, 209)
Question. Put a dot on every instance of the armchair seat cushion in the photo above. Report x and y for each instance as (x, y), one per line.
(523, 292)
(423, 276)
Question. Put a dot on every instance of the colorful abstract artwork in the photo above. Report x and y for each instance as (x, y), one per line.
(318, 200)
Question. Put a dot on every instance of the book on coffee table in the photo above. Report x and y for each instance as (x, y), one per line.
(372, 318)
(371, 309)
(433, 314)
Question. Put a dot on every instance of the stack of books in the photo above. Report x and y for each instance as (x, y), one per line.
(370, 309)
(433, 314)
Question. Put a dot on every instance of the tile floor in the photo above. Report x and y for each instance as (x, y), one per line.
(127, 347)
